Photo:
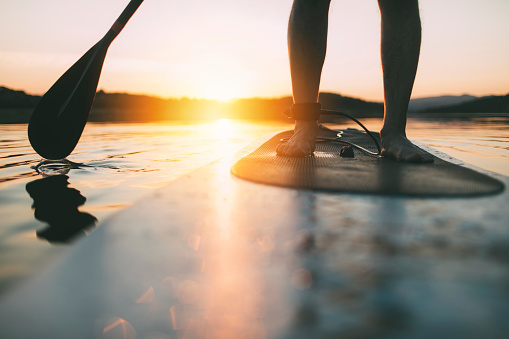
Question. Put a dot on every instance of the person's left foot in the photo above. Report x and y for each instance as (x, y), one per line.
(402, 149)
(303, 141)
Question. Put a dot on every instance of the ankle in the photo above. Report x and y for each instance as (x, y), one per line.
(306, 127)
(392, 133)
(306, 123)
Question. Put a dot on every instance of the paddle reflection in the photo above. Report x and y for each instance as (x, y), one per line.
(57, 204)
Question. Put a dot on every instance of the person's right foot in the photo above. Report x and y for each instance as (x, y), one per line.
(402, 149)
(303, 141)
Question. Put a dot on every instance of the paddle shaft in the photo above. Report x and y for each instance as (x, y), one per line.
(115, 30)
(122, 20)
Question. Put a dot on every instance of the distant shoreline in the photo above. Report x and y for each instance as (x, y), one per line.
(17, 107)
(425, 115)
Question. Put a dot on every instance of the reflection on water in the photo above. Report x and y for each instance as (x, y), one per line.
(208, 278)
(57, 205)
(56, 167)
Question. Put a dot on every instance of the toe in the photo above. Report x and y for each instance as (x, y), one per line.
(281, 149)
(417, 156)
(427, 158)
(386, 154)
(292, 150)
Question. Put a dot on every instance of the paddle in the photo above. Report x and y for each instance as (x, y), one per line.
(57, 122)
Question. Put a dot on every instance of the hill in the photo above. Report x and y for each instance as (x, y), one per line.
(490, 104)
(421, 104)
(17, 106)
(355, 107)
(10, 98)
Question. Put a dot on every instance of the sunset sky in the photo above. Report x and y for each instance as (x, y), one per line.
(237, 48)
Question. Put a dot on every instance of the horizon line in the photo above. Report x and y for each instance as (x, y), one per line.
(260, 97)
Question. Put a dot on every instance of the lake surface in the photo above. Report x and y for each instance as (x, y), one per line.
(124, 162)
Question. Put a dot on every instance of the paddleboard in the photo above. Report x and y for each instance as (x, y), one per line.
(346, 161)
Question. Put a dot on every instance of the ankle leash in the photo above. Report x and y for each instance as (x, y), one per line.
(312, 112)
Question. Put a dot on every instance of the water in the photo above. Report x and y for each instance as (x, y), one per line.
(124, 162)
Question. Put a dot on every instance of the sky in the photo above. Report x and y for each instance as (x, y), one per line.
(224, 49)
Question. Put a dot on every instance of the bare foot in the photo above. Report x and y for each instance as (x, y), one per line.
(402, 149)
(303, 141)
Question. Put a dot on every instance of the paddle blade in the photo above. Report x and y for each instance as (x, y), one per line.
(57, 122)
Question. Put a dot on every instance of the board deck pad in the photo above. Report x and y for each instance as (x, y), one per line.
(326, 170)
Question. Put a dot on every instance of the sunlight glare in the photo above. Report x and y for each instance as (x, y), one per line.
(223, 129)
(220, 77)
(221, 91)
(119, 328)
(217, 87)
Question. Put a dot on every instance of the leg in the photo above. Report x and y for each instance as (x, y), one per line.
(307, 42)
(401, 41)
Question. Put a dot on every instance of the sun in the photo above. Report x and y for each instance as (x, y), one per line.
(221, 85)
(220, 90)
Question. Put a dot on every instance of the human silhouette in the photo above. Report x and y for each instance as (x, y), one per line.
(400, 48)
(57, 204)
